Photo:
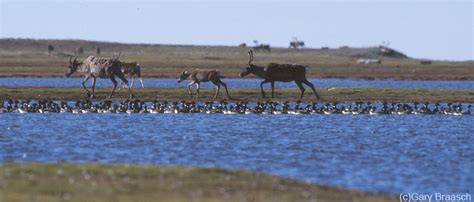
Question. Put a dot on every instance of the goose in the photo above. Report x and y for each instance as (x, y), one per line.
(248, 111)
(22, 110)
(347, 110)
(373, 111)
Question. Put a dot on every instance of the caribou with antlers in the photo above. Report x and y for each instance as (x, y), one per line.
(296, 44)
(279, 72)
(93, 67)
(197, 76)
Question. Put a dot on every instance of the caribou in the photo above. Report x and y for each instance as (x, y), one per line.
(295, 43)
(258, 47)
(197, 76)
(262, 47)
(279, 72)
(384, 50)
(132, 69)
(93, 67)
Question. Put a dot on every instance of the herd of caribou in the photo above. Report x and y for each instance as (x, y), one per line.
(112, 68)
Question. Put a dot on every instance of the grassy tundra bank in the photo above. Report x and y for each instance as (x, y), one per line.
(99, 182)
(178, 94)
(23, 57)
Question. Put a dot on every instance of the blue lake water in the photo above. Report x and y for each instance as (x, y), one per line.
(409, 153)
(243, 83)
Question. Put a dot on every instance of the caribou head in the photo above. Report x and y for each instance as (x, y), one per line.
(73, 64)
(251, 69)
(184, 75)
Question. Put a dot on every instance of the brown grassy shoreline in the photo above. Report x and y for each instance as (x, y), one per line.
(106, 182)
(178, 94)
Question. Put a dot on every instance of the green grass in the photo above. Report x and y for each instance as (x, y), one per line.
(99, 182)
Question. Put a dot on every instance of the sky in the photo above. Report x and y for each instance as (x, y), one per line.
(441, 30)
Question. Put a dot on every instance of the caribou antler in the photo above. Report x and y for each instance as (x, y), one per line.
(70, 57)
(113, 55)
(250, 56)
(75, 59)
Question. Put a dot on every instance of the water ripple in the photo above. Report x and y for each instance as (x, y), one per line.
(381, 153)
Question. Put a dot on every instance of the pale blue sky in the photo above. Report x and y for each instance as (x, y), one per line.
(421, 29)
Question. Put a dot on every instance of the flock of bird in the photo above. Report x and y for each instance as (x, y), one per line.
(223, 107)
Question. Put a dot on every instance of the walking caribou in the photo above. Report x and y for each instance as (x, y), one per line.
(197, 76)
(279, 72)
(93, 67)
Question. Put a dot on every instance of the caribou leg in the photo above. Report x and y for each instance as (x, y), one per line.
(132, 81)
(114, 82)
(312, 87)
(273, 88)
(301, 88)
(218, 87)
(197, 89)
(93, 86)
(86, 78)
(141, 81)
(261, 87)
(226, 91)
(124, 80)
(139, 75)
(189, 89)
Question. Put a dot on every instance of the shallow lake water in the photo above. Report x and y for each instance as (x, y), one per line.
(244, 83)
(388, 153)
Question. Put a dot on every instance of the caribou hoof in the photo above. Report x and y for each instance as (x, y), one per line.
(132, 96)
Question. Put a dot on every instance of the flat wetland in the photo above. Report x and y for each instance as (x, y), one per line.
(96, 180)
(29, 58)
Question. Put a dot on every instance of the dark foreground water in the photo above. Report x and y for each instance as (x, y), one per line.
(410, 153)
(244, 83)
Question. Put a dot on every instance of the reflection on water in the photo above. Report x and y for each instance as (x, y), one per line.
(382, 153)
(245, 83)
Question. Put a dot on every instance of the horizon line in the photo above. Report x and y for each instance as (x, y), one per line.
(212, 45)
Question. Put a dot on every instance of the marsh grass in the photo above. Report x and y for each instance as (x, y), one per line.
(104, 182)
